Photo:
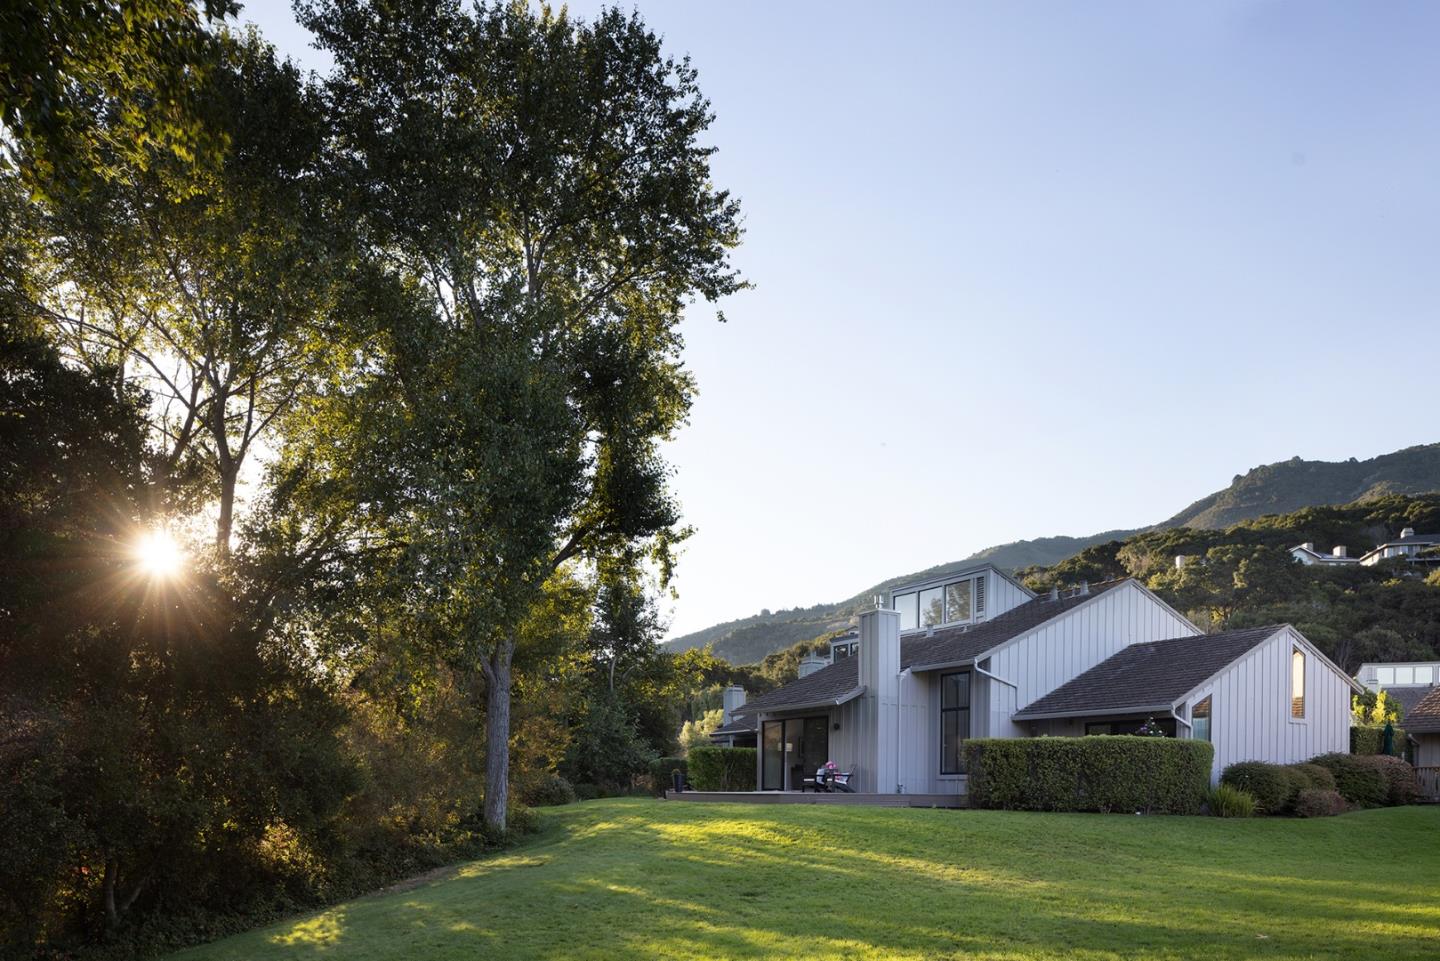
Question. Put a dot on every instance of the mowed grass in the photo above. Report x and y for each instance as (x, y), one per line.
(636, 878)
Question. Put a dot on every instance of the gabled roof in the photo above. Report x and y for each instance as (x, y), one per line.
(1152, 675)
(1425, 718)
(955, 645)
(738, 725)
(1408, 698)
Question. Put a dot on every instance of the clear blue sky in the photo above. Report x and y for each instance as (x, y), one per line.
(1041, 268)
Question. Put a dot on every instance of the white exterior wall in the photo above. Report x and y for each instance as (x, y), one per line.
(1250, 707)
(1001, 594)
(1069, 646)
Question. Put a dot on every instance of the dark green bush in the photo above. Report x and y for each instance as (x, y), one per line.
(1271, 785)
(1230, 802)
(722, 768)
(1122, 773)
(545, 789)
(1371, 740)
(1315, 776)
(660, 770)
(1401, 786)
(1359, 782)
(1319, 803)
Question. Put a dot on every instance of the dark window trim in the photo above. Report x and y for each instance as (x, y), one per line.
(940, 700)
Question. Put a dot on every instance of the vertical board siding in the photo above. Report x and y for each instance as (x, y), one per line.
(1250, 707)
(1069, 646)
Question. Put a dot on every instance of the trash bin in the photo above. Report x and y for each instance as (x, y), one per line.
(677, 780)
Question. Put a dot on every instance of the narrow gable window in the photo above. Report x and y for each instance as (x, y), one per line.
(954, 721)
(1297, 683)
(1200, 720)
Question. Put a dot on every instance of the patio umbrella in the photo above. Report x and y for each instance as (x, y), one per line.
(1387, 746)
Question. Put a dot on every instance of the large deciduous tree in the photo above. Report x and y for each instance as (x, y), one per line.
(539, 189)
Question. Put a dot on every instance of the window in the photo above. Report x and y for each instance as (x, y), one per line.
(1424, 675)
(1297, 683)
(1200, 720)
(957, 601)
(905, 604)
(1129, 726)
(1404, 675)
(979, 597)
(838, 652)
(1384, 676)
(954, 721)
(932, 607)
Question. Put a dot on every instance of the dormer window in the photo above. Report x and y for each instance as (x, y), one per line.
(961, 601)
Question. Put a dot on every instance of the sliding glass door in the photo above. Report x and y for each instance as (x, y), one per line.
(792, 750)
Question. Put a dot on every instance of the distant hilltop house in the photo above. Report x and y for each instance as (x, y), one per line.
(977, 654)
(1407, 682)
(1409, 546)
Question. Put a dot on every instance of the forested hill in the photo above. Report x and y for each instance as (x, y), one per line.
(1278, 488)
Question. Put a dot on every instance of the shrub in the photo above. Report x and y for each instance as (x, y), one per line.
(1371, 740)
(545, 789)
(1316, 776)
(1358, 781)
(1230, 802)
(1120, 773)
(660, 770)
(1400, 784)
(722, 768)
(1271, 785)
(586, 792)
(1319, 803)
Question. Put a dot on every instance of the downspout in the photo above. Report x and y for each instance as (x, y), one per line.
(899, 719)
(995, 677)
(1180, 720)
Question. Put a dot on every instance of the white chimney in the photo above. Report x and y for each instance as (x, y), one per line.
(809, 664)
(1181, 560)
(1309, 546)
(1340, 551)
(877, 762)
(733, 699)
(1407, 532)
(1084, 588)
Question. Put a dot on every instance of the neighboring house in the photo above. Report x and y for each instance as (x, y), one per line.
(1412, 547)
(1406, 681)
(1423, 727)
(972, 654)
(1339, 555)
(733, 731)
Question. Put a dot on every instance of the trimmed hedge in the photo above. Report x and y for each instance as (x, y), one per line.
(1319, 778)
(1358, 781)
(1370, 740)
(660, 770)
(1318, 803)
(1119, 773)
(1401, 786)
(722, 768)
(1271, 785)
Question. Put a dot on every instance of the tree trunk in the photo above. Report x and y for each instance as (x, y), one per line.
(497, 741)
(223, 526)
(112, 913)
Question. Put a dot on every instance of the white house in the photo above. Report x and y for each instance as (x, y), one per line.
(1413, 547)
(1406, 681)
(975, 654)
(1339, 555)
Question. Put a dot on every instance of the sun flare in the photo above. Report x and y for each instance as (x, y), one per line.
(159, 554)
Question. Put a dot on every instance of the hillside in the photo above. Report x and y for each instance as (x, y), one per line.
(1278, 488)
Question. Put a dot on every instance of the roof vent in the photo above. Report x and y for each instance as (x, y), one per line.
(1054, 594)
(809, 664)
(1084, 588)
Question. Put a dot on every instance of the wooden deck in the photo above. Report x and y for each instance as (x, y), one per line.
(810, 797)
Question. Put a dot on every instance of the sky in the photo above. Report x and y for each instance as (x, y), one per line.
(1042, 268)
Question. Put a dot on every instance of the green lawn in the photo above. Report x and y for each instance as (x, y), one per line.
(649, 879)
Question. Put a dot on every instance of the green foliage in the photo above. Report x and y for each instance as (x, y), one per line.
(1315, 776)
(1401, 785)
(606, 748)
(1359, 781)
(1105, 774)
(1375, 709)
(697, 733)
(1319, 803)
(661, 770)
(722, 768)
(546, 789)
(1371, 740)
(1271, 785)
(1227, 801)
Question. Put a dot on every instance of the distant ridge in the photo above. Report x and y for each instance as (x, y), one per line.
(1278, 488)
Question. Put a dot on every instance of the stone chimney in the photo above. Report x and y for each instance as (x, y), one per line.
(1340, 551)
(733, 699)
(809, 664)
(878, 761)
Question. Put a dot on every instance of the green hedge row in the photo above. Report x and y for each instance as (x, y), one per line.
(722, 768)
(1121, 773)
(1276, 787)
(660, 770)
(1371, 740)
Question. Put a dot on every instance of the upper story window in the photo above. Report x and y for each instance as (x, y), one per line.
(1385, 675)
(838, 652)
(1200, 719)
(1297, 683)
(958, 602)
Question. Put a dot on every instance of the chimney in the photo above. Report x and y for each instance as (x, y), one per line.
(1084, 589)
(733, 699)
(1407, 532)
(1181, 560)
(809, 664)
(876, 759)
(1340, 551)
(1054, 594)
(1309, 546)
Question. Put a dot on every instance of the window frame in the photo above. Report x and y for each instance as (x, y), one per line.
(943, 710)
(1298, 707)
(1209, 703)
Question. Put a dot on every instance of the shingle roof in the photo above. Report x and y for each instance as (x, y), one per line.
(1409, 698)
(1147, 675)
(944, 646)
(738, 725)
(1425, 717)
